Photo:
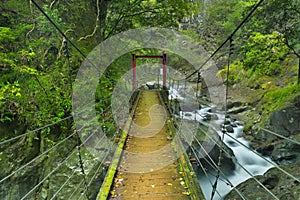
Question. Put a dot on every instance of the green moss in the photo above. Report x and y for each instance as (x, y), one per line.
(273, 100)
(280, 97)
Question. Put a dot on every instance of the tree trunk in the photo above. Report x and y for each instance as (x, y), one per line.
(103, 6)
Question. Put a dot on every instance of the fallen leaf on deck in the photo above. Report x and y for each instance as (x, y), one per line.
(186, 193)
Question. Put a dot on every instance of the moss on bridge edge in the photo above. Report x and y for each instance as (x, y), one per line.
(109, 178)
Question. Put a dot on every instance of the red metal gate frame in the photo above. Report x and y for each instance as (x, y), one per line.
(164, 63)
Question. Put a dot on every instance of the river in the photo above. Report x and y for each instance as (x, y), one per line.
(247, 163)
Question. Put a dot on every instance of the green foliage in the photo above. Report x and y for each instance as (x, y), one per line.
(221, 17)
(10, 96)
(277, 99)
(124, 15)
(44, 26)
(279, 15)
(6, 35)
(34, 87)
(280, 97)
(263, 53)
(35, 75)
(236, 72)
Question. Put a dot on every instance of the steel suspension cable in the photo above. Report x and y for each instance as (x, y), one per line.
(81, 161)
(260, 183)
(81, 164)
(195, 151)
(77, 188)
(228, 182)
(33, 131)
(281, 136)
(276, 166)
(48, 150)
(247, 171)
(55, 169)
(95, 172)
(93, 177)
(57, 27)
(203, 169)
(65, 49)
(37, 157)
(81, 182)
(210, 163)
(45, 152)
(46, 177)
(223, 133)
(228, 38)
(215, 167)
(63, 185)
(46, 126)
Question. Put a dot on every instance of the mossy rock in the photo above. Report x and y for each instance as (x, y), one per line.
(279, 183)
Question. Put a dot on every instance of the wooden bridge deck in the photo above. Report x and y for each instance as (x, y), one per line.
(148, 168)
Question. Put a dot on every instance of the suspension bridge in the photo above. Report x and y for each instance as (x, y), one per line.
(149, 172)
(133, 166)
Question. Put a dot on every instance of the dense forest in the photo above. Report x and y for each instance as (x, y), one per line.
(39, 66)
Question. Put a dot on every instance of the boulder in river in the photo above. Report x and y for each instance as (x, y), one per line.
(285, 122)
(229, 129)
(279, 183)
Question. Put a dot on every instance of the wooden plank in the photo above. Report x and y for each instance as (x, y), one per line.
(176, 180)
(108, 181)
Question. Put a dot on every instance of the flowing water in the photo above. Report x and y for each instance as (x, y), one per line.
(247, 163)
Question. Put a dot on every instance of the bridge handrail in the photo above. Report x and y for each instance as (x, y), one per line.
(190, 177)
(109, 178)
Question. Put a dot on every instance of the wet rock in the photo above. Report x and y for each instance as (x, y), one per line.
(280, 184)
(227, 162)
(239, 123)
(286, 121)
(232, 143)
(238, 110)
(229, 129)
(234, 104)
(265, 150)
(233, 125)
(150, 87)
(297, 102)
(188, 114)
(271, 182)
(285, 153)
(227, 121)
(213, 117)
(209, 117)
(188, 107)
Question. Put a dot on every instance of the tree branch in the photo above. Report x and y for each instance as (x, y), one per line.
(291, 48)
(53, 4)
(28, 33)
(124, 16)
(63, 44)
(96, 24)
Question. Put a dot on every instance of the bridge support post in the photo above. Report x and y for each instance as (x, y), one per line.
(134, 71)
